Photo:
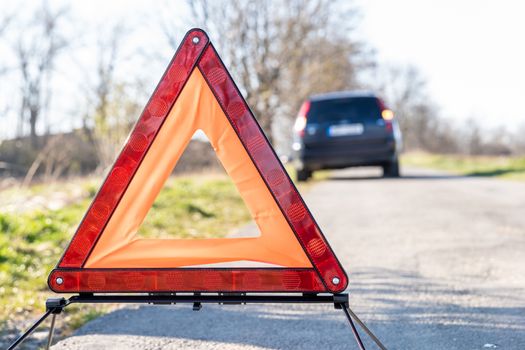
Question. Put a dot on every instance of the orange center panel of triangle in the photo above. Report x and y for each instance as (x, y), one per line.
(106, 256)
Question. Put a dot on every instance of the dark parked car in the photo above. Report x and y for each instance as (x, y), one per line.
(344, 129)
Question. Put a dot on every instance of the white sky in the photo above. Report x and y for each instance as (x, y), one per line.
(471, 52)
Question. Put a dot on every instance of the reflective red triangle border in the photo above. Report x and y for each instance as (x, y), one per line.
(327, 274)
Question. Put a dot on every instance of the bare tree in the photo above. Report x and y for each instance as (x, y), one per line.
(112, 107)
(404, 89)
(5, 21)
(99, 85)
(518, 142)
(317, 51)
(472, 137)
(53, 159)
(37, 47)
(280, 51)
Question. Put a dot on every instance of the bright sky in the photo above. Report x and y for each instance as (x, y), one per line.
(472, 52)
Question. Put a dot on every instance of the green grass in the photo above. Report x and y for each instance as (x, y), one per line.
(30, 245)
(500, 167)
(196, 208)
(31, 242)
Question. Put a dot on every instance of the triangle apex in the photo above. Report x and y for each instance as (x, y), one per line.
(197, 33)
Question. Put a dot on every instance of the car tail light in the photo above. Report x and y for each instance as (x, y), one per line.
(387, 115)
(300, 122)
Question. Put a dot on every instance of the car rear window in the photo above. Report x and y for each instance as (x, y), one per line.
(351, 109)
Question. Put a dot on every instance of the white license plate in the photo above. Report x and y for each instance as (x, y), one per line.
(345, 130)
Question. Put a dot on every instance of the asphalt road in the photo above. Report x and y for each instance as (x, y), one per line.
(435, 262)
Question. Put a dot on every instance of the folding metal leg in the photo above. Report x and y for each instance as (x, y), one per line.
(53, 307)
(51, 331)
(30, 330)
(354, 331)
(351, 315)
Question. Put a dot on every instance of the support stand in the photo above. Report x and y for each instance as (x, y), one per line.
(55, 306)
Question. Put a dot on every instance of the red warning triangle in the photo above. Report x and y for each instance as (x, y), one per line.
(197, 93)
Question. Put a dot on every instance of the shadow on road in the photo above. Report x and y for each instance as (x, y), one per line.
(438, 315)
(495, 172)
(403, 177)
(265, 328)
(424, 174)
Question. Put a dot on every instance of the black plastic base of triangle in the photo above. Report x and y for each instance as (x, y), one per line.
(55, 306)
(211, 298)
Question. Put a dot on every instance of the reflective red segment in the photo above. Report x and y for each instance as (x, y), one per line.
(185, 280)
(133, 152)
(272, 171)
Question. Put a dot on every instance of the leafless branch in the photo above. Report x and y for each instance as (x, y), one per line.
(37, 48)
(281, 51)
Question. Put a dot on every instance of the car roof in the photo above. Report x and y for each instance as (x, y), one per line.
(341, 94)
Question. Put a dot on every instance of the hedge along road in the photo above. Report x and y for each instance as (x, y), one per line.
(435, 262)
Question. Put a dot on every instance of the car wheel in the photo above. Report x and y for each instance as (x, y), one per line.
(391, 169)
(303, 174)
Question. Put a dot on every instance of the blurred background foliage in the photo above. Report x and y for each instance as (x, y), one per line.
(278, 52)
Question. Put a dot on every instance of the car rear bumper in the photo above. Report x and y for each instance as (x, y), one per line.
(336, 158)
